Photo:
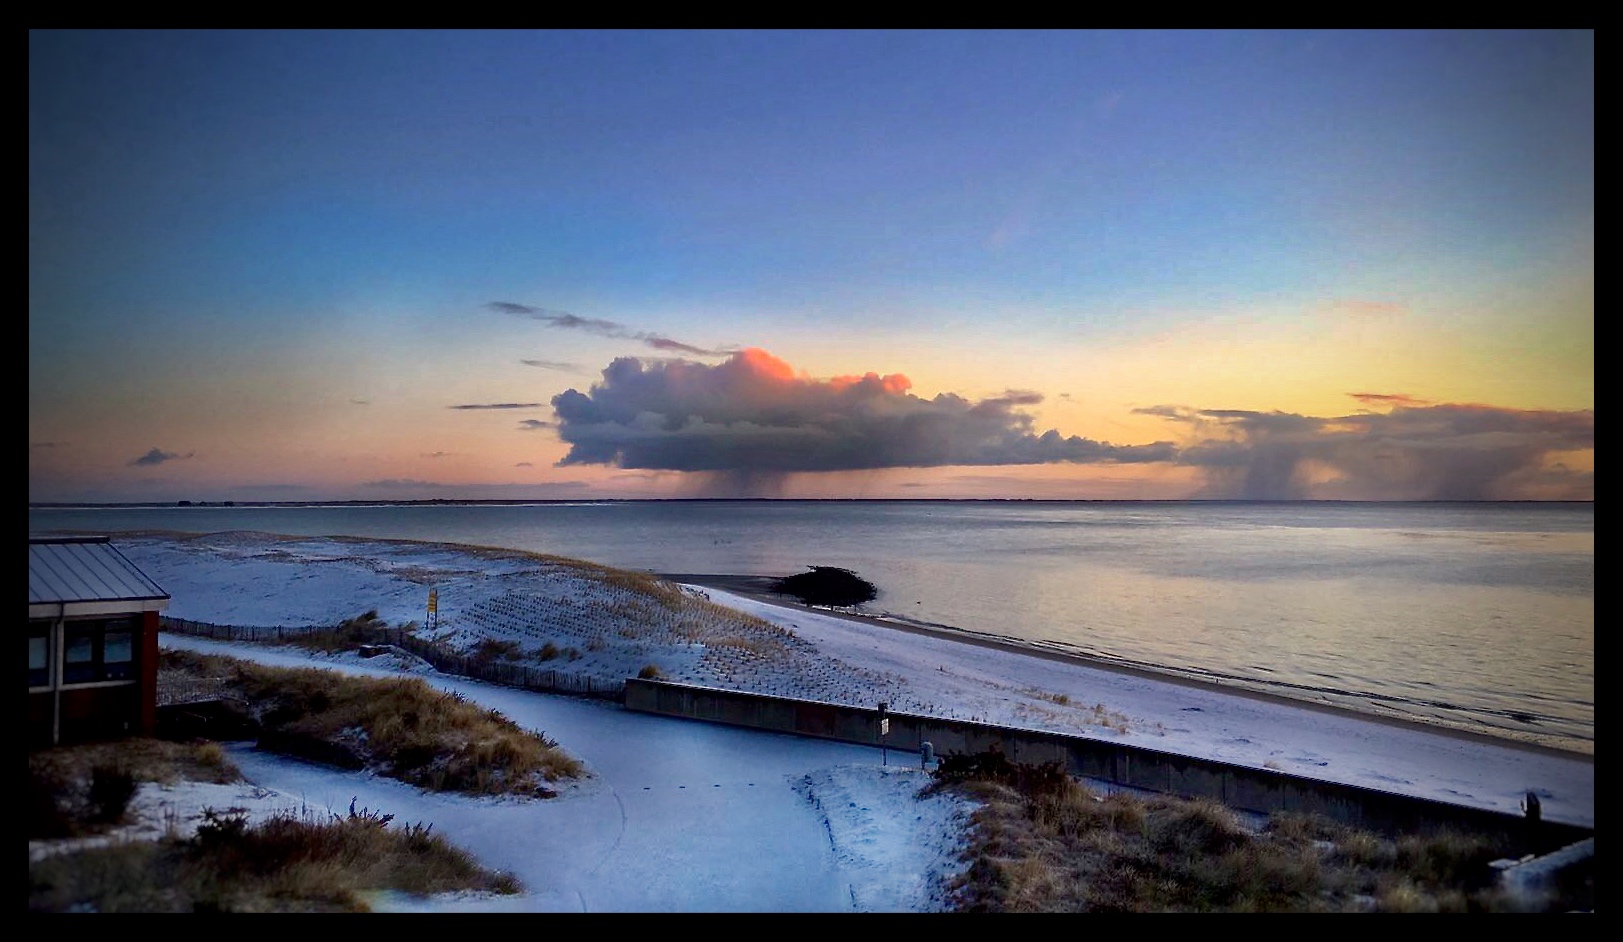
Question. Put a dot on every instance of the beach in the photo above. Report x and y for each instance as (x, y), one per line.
(760, 589)
(261, 580)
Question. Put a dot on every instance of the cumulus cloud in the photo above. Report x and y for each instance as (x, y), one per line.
(1412, 452)
(598, 326)
(157, 456)
(754, 415)
(498, 405)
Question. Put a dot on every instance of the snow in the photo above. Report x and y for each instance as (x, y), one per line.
(681, 816)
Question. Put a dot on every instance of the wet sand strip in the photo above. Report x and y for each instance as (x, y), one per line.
(760, 588)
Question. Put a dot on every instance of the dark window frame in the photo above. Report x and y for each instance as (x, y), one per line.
(96, 668)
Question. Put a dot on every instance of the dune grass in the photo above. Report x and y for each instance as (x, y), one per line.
(74, 791)
(399, 727)
(283, 864)
(1044, 842)
(314, 862)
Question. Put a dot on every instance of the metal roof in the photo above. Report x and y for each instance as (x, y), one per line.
(64, 571)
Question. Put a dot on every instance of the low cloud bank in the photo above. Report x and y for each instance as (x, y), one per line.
(1413, 452)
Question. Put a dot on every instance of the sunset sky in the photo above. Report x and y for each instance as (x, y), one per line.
(1090, 265)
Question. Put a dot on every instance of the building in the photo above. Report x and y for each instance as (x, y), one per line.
(92, 642)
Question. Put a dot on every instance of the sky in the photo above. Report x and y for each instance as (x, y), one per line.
(685, 816)
(356, 265)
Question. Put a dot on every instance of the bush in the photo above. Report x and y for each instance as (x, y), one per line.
(111, 788)
(1043, 842)
(490, 649)
(282, 864)
(649, 672)
(826, 585)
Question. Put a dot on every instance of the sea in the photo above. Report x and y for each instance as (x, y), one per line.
(1475, 616)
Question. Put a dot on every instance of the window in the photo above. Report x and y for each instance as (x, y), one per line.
(98, 650)
(39, 654)
(118, 655)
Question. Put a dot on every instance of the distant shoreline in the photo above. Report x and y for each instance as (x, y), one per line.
(521, 502)
(759, 588)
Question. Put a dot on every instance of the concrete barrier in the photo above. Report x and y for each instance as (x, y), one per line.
(1263, 791)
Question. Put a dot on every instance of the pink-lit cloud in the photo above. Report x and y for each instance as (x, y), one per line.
(754, 414)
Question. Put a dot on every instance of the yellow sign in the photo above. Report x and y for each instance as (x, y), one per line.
(433, 600)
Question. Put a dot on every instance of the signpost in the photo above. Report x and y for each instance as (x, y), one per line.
(433, 619)
(884, 730)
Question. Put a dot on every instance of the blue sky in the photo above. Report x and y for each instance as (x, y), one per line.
(279, 256)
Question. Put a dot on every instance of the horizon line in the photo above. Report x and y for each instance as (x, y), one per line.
(219, 504)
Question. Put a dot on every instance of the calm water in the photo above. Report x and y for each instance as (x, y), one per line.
(1476, 615)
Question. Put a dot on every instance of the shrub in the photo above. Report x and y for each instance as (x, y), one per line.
(282, 864)
(827, 585)
(400, 727)
(649, 672)
(1041, 842)
(111, 788)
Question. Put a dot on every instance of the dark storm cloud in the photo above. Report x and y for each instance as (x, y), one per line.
(498, 405)
(602, 328)
(1439, 452)
(156, 457)
(753, 415)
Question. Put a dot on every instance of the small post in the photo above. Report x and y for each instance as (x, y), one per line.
(884, 731)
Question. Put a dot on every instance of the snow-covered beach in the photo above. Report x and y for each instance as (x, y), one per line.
(255, 579)
(785, 804)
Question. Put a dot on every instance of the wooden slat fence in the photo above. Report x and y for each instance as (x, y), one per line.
(445, 660)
